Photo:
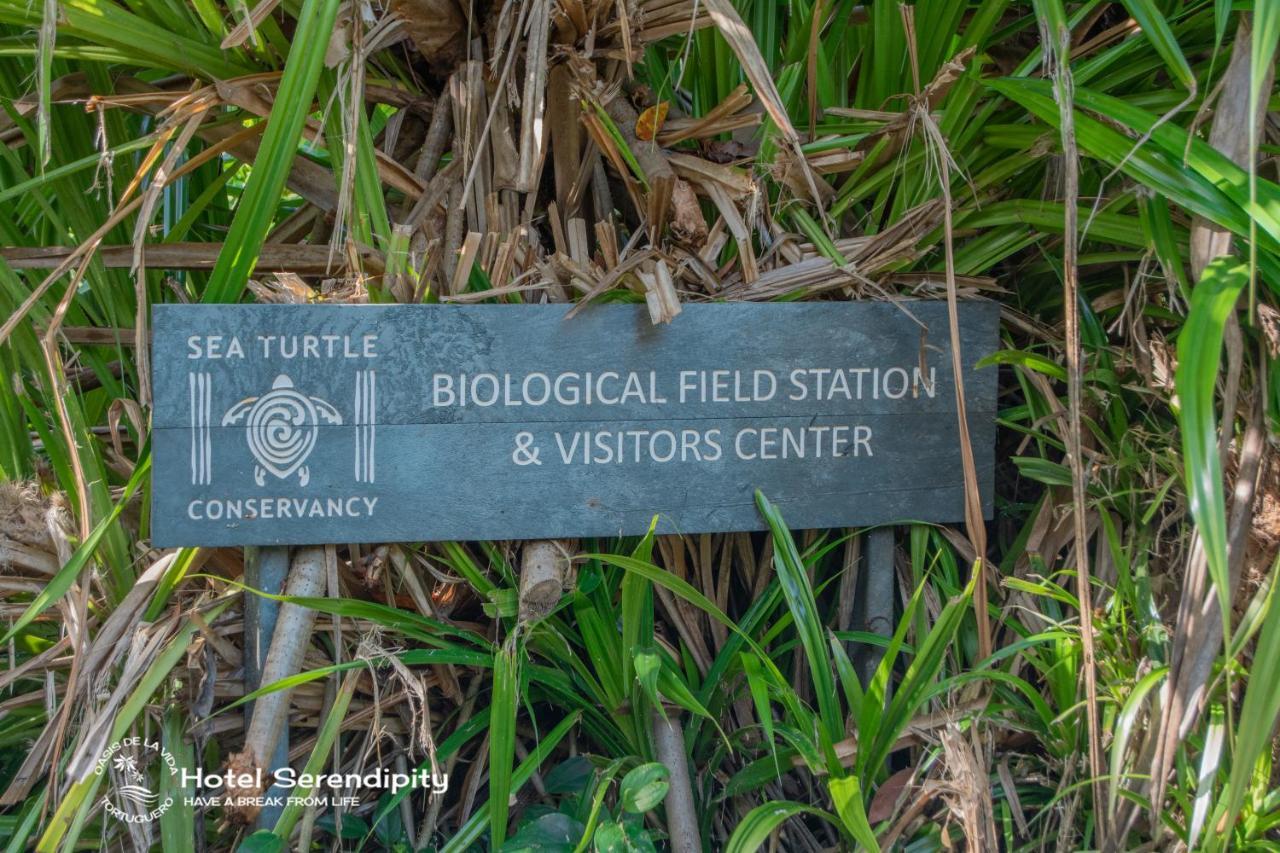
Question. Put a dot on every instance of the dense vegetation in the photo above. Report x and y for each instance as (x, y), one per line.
(1097, 667)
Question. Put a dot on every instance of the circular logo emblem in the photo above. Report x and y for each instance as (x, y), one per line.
(132, 795)
(281, 428)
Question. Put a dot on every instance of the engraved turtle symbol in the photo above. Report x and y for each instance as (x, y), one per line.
(281, 428)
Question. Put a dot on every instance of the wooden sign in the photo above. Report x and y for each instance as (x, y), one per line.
(278, 424)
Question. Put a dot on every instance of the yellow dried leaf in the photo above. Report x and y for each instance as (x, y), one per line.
(650, 121)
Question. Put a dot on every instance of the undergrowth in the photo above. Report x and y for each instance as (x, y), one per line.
(1097, 666)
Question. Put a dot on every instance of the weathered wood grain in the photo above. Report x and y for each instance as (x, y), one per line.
(367, 445)
(286, 257)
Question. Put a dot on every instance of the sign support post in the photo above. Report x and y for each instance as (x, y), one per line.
(876, 587)
(284, 425)
(265, 569)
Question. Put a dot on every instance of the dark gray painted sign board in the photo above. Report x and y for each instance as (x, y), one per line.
(286, 424)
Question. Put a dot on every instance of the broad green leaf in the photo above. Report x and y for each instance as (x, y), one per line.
(615, 837)
(1209, 184)
(554, 832)
(644, 787)
(106, 23)
(1027, 361)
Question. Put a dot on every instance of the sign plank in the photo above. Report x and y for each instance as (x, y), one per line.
(278, 424)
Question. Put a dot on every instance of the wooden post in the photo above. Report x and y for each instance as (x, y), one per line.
(545, 568)
(876, 587)
(270, 718)
(266, 569)
(682, 816)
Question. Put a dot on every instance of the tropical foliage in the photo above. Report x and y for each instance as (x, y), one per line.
(1097, 666)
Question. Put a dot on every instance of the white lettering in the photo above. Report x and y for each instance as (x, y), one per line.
(442, 390)
(250, 509)
(214, 347)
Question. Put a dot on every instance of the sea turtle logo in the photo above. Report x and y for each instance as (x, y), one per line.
(281, 428)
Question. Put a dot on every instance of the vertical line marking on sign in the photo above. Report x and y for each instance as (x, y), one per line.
(373, 421)
(209, 436)
(195, 434)
(365, 421)
(357, 419)
(201, 402)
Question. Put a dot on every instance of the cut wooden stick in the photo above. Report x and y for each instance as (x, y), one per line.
(289, 644)
(246, 29)
(439, 135)
(532, 139)
(544, 571)
(1057, 44)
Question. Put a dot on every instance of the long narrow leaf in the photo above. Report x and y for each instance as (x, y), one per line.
(502, 737)
(1257, 720)
(804, 612)
(1157, 30)
(754, 830)
(275, 157)
(1199, 353)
